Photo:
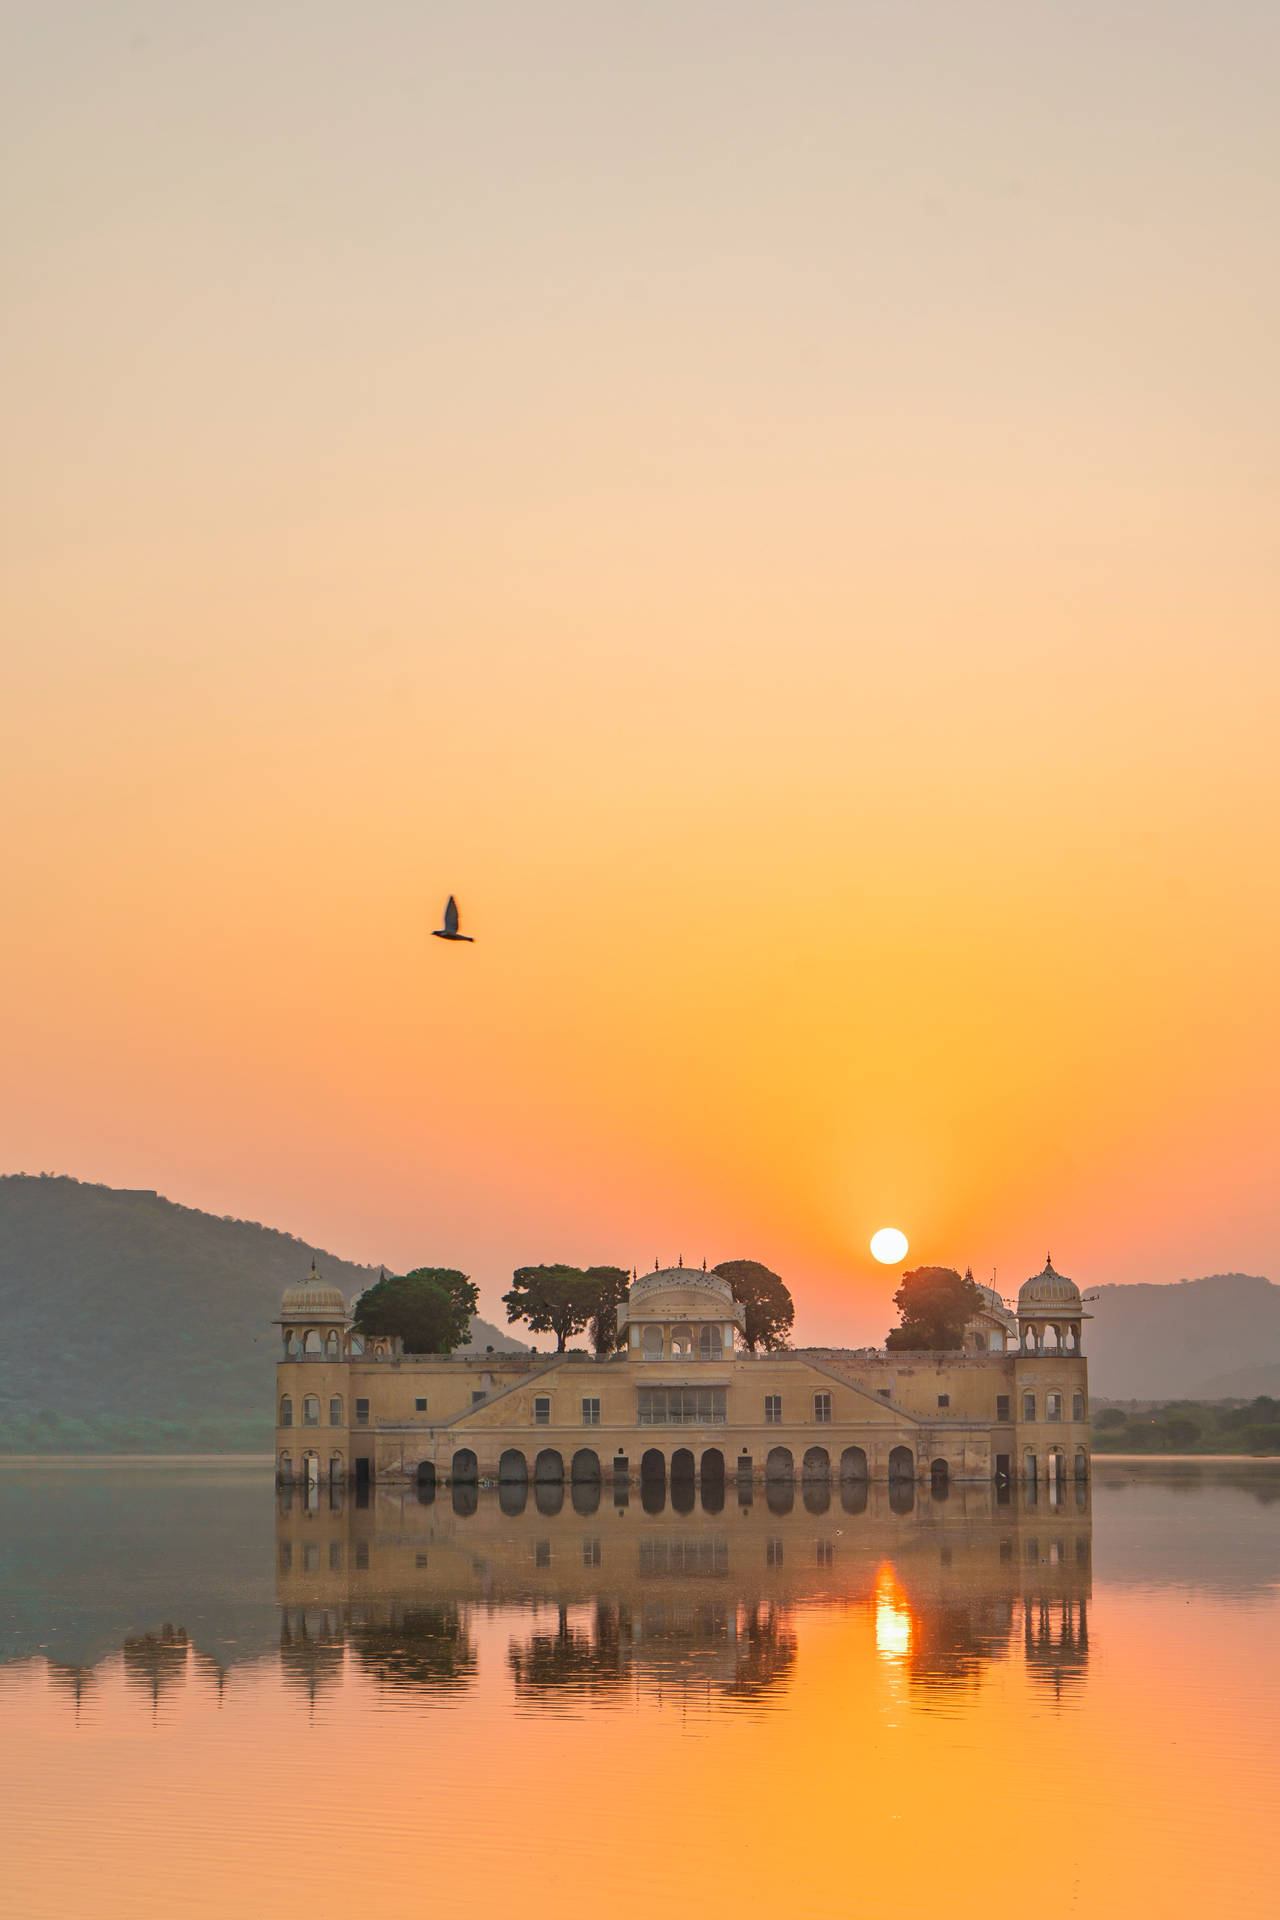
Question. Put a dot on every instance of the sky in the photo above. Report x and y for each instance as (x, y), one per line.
(774, 507)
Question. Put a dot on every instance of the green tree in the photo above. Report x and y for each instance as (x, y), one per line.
(1182, 1432)
(611, 1284)
(430, 1309)
(934, 1304)
(771, 1311)
(556, 1299)
(1110, 1417)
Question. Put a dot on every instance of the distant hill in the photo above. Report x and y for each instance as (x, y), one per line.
(131, 1322)
(1196, 1339)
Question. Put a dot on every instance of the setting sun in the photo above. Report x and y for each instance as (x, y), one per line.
(889, 1246)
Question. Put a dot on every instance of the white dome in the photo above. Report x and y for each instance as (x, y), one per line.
(1048, 1290)
(313, 1297)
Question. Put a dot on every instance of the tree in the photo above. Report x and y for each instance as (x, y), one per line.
(430, 1309)
(770, 1309)
(611, 1285)
(1110, 1417)
(935, 1304)
(556, 1299)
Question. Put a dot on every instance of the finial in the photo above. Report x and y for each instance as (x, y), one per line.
(1048, 1263)
(704, 1263)
(313, 1263)
(680, 1261)
(655, 1263)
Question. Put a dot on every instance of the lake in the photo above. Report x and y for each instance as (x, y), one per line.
(865, 1702)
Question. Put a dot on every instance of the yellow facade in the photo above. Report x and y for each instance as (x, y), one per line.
(682, 1401)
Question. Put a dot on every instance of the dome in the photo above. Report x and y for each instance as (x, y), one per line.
(1048, 1290)
(682, 1293)
(314, 1296)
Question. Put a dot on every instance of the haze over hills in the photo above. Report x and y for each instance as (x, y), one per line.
(133, 1322)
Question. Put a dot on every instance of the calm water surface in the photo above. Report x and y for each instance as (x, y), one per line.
(214, 1701)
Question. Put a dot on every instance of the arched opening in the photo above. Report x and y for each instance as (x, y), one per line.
(427, 1478)
(1051, 1339)
(464, 1471)
(711, 1473)
(548, 1468)
(651, 1343)
(684, 1494)
(1029, 1338)
(288, 1343)
(816, 1495)
(310, 1410)
(653, 1495)
(337, 1470)
(779, 1495)
(286, 1469)
(682, 1343)
(817, 1464)
(653, 1466)
(286, 1410)
(939, 1478)
(710, 1345)
(853, 1464)
(1029, 1469)
(464, 1498)
(1082, 1464)
(683, 1465)
(902, 1464)
(331, 1343)
(585, 1497)
(585, 1466)
(779, 1465)
(548, 1496)
(513, 1468)
(335, 1410)
(311, 1341)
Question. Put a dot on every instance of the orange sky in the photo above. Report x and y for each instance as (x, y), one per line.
(775, 508)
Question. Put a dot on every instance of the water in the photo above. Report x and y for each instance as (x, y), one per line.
(214, 1702)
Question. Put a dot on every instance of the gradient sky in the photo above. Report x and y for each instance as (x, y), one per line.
(775, 507)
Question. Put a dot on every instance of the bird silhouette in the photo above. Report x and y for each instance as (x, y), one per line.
(449, 931)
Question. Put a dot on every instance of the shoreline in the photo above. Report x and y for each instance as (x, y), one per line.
(136, 1460)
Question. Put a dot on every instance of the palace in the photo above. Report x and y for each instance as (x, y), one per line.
(684, 1400)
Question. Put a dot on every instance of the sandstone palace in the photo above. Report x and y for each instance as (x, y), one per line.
(684, 1400)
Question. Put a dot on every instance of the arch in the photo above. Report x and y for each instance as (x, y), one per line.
(816, 1495)
(653, 1465)
(286, 1410)
(331, 1343)
(902, 1496)
(683, 1465)
(816, 1464)
(335, 1410)
(710, 1344)
(1052, 1337)
(902, 1464)
(310, 1410)
(464, 1471)
(311, 1341)
(585, 1466)
(779, 1465)
(548, 1468)
(286, 1467)
(684, 1493)
(1029, 1468)
(337, 1469)
(426, 1476)
(288, 1343)
(711, 1466)
(513, 1469)
(939, 1477)
(682, 1343)
(853, 1464)
(651, 1344)
(779, 1495)
(653, 1494)
(1082, 1464)
(548, 1496)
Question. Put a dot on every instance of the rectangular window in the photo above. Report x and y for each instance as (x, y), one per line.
(883, 1392)
(286, 1413)
(773, 1553)
(822, 1409)
(1053, 1406)
(944, 1399)
(1028, 1406)
(591, 1553)
(681, 1406)
(542, 1411)
(419, 1406)
(591, 1413)
(772, 1409)
(477, 1396)
(1077, 1406)
(1002, 1406)
(335, 1413)
(311, 1411)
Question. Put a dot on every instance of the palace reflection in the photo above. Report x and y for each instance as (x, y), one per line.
(613, 1594)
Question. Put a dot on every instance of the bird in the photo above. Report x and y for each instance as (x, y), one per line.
(449, 931)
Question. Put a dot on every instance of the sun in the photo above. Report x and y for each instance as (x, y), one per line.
(889, 1246)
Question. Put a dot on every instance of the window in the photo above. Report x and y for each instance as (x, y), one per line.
(286, 1412)
(591, 1414)
(773, 1553)
(681, 1406)
(883, 1392)
(1077, 1406)
(310, 1411)
(1028, 1406)
(979, 1342)
(710, 1345)
(822, 1409)
(421, 1560)
(477, 1396)
(944, 1399)
(335, 1411)
(591, 1553)
(419, 1406)
(362, 1413)
(772, 1409)
(311, 1556)
(701, 1555)
(1002, 1406)
(1053, 1406)
(542, 1411)
(651, 1343)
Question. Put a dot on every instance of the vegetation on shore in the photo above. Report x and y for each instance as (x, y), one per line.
(1189, 1426)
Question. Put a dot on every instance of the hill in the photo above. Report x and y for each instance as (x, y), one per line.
(1192, 1340)
(132, 1323)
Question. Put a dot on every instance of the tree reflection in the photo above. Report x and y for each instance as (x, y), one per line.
(427, 1647)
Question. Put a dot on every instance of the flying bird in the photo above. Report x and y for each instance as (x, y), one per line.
(449, 931)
